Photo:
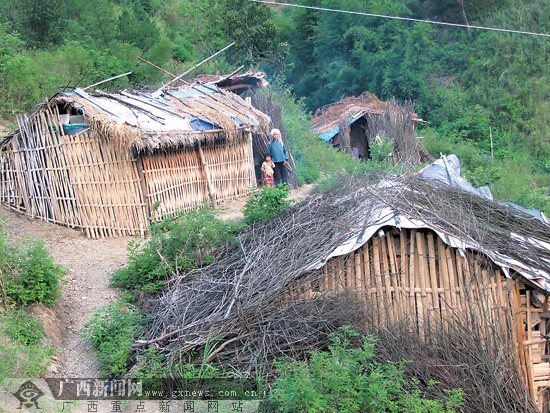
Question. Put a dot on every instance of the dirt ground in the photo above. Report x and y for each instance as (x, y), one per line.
(89, 264)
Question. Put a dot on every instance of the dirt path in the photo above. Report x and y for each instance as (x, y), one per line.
(89, 264)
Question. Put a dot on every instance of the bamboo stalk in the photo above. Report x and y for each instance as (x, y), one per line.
(423, 301)
(376, 259)
(386, 280)
(433, 276)
(445, 283)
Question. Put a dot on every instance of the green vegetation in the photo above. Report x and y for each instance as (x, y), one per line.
(112, 331)
(176, 245)
(347, 378)
(268, 203)
(17, 360)
(20, 326)
(27, 275)
(484, 93)
(34, 278)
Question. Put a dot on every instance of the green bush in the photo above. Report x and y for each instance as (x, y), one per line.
(36, 277)
(24, 361)
(268, 203)
(149, 366)
(176, 245)
(347, 378)
(380, 151)
(20, 326)
(112, 330)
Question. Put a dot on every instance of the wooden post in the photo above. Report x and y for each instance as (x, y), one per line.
(143, 186)
(206, 171)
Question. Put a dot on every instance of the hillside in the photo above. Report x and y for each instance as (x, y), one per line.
(484, 93)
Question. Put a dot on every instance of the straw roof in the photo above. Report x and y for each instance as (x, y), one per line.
(165, 120)
(327, 119)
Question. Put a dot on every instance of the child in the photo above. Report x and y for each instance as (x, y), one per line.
(268, 169)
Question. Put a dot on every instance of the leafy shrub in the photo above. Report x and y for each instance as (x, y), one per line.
(20, 326)
(112, 330)
(149, 365)
(36, 277)
(381, 150)
(24, 361)
(268, 203)
(176, 245)
(348, 379)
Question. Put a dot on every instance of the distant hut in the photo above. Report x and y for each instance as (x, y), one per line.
(354, 124)
(112, 163)
(467, 277)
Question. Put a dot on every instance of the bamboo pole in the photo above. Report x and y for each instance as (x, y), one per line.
(413, 265)
(386, 279)
(433, 277)
(446, 308)
(197, 65)
(107, 80)
(378, 285)
(423, 300)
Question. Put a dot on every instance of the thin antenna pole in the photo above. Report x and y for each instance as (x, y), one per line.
(155, 66)
(492, 150)
(197, 65)
(107, 80)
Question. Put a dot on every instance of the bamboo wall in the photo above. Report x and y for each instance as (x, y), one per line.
(86, 182)
(106, 183)
(77, 181)
(34, 177)
(183, 179)
(411, 276)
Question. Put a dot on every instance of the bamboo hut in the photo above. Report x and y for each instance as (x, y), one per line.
(468, 277)
(355, 124)
(112, 163)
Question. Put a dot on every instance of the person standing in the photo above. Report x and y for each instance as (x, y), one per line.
(277, 151)
(268, 170)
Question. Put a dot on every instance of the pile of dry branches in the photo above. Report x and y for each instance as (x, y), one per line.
(244, 300)
(242, 297)
(494, 227)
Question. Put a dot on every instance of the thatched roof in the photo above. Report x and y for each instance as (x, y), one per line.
(242, 296)
(327, 120)
(164, 120)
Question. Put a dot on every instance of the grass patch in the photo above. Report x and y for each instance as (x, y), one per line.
(176, 245)
(112, 331)
(268, 203)
(347, 378)
(20, 326)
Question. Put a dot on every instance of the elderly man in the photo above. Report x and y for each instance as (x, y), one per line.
(277, 151)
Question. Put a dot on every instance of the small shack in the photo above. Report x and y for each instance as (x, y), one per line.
(404, 257)
(355, 123)
(112, 163)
